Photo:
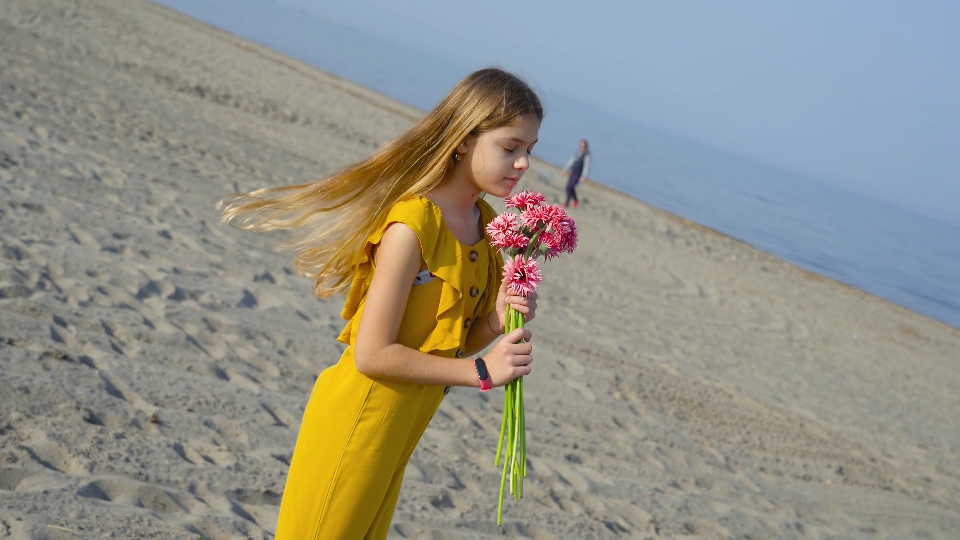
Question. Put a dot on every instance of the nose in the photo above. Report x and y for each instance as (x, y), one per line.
(522, 164)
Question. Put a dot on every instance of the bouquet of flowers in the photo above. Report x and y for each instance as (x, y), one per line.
(538, 230)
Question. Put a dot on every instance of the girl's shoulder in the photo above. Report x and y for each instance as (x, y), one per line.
(425, 218)
(417, 213)
(414, 211)
(442, 253)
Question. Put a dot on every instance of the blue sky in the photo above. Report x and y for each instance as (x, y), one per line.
(861, 94)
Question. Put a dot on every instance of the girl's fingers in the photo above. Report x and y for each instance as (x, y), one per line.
(521, 361)
(523, 349)
(522, 358)
(516, 335)
(520, 303)
(524, 310)
(532, 295)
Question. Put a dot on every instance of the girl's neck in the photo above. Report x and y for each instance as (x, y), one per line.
(457, 201)
(458, 195)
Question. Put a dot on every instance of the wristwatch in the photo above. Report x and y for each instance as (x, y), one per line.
(483, 374)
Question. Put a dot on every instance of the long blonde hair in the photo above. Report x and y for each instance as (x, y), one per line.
(331, 218)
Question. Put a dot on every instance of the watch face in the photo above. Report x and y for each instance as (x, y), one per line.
(481, 369)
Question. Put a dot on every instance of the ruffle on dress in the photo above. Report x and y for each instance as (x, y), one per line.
(445, 257)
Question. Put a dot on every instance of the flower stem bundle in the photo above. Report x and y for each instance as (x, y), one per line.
(539, 230)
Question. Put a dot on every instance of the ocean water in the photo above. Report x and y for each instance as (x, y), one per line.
(896, 254)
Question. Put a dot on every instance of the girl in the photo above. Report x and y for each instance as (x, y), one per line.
(403, 231)
(578, 166)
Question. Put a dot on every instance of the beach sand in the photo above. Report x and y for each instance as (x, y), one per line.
(154, 366)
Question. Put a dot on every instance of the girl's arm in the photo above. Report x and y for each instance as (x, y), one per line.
(377, 353)
(481, 333)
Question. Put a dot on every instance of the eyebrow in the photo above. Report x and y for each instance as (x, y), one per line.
(521, 141)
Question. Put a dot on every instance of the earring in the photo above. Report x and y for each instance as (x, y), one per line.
(457, 156)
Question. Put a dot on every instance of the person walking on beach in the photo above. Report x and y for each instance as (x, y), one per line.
(403, 232)
(577, 166)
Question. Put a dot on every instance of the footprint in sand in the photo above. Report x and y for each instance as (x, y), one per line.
(210, 530)
(190, 454)
(228, 428)
(583, 389)
(128, 492)
(255, 506)
(634, 519)
(102, 419)
(211, 452)
(122, 340)
(280, 416)
(248, 382)
(118, 388)
(155, 288)
(51, 455)
(11, 477)
(63, 332)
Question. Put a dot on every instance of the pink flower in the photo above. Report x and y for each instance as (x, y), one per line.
(569, 242)
(524, 199)
(551, 217)
(509, 240)
(514, 240)
(554, 243)
(506, 222)
(568, 234)
(522, 274)
(503, 233)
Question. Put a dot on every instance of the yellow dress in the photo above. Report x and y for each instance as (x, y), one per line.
(359, 432)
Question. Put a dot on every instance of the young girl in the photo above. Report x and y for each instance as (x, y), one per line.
(403, 230)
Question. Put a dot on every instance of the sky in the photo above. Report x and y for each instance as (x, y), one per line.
(859, 94)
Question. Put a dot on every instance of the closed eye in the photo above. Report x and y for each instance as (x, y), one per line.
(512, 150)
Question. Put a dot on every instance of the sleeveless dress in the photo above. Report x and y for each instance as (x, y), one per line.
(359, 432)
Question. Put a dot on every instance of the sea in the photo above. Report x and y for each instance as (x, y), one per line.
(897, 254)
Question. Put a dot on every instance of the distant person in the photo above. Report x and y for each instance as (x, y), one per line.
(403, 231)
(577, 167)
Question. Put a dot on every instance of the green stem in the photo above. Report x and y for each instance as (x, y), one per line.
(503, 481)
(523, 435)
(503, 427)
(512, 429)
(533, 242)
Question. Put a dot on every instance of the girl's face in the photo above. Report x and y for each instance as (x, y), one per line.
(496, 159)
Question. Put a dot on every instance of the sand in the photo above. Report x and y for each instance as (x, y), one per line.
(154, 366)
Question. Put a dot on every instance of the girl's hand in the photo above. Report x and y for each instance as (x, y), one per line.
(509, 359)
(527, 306)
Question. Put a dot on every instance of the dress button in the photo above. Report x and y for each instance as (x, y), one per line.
(459, 353)
(446, 390)
(474, 291)
(466, 323)
(473, 256)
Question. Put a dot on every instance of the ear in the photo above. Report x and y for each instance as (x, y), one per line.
(464, 147)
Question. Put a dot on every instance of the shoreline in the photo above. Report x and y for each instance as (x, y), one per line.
(808, 274)
(413, 114)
